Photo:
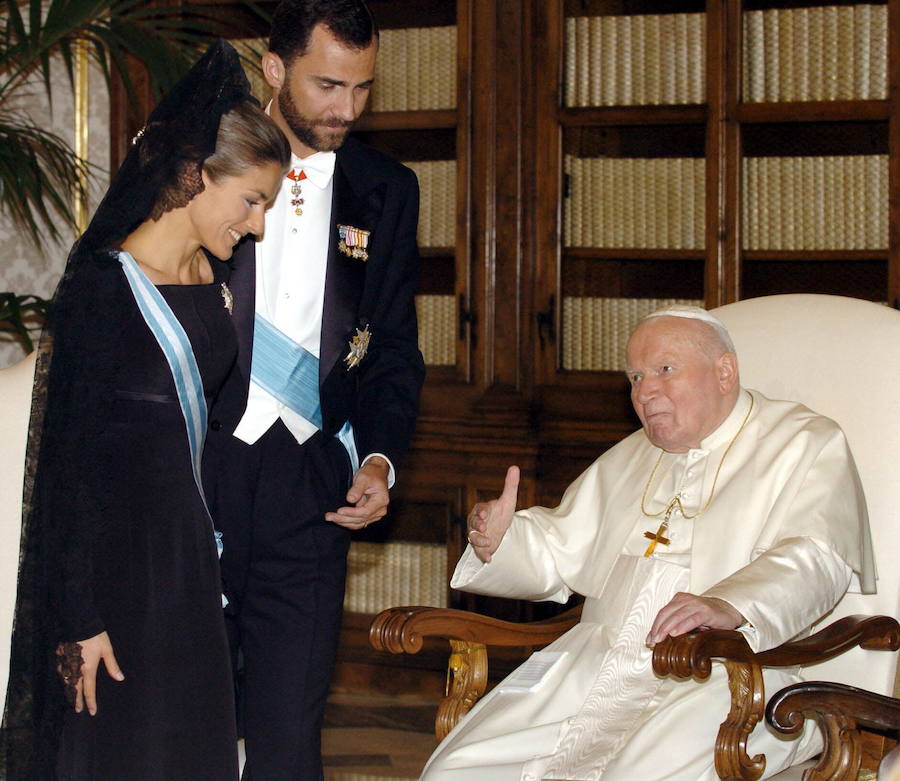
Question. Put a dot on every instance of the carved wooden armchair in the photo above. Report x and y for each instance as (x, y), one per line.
(851, 720)
(838, 356)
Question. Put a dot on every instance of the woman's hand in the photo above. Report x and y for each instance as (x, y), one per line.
(93, 650)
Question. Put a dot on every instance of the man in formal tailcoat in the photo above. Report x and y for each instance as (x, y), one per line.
(305, 437)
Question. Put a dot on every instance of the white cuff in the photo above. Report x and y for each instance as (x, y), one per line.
(392, 477)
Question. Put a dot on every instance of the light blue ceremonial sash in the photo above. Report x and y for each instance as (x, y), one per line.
(290, 373)
(176, 347)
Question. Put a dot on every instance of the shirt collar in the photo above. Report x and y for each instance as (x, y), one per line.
(728, 428)
(318, 167)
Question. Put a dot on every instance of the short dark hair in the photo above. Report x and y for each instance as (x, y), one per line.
(350, 21)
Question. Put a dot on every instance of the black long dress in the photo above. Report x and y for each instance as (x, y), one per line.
(152, 579)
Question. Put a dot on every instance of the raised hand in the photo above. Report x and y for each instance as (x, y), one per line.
(488, 521)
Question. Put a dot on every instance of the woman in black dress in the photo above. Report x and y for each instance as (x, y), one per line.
(119, 589)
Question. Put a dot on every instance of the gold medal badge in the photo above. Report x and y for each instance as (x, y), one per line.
(358, 345)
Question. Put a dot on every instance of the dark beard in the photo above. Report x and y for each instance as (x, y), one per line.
(306, 129)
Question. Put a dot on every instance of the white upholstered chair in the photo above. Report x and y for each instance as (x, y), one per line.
(15, 410)
(839, 356)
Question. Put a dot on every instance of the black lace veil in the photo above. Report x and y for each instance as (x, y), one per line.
(64, 488)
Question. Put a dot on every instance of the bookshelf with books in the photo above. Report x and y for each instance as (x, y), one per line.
(818, 146)
(754, 153)
(415, 115)
(622, 225)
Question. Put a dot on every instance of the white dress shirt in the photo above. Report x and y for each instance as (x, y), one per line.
(291, 261)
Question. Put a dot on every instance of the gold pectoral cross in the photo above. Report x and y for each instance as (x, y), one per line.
(663, 527)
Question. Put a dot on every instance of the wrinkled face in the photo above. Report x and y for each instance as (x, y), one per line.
(229, 209)
(680, 393)
(319, 97)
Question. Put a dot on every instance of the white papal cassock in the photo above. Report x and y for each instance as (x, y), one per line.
(785, 533)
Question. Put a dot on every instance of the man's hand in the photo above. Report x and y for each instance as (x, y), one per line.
(94, 650)
(368, 494)
(488, 521)
(687, 612)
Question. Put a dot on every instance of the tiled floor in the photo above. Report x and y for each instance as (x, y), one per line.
(376, 739)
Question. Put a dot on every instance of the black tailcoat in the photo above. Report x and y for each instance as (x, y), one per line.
(284, 566)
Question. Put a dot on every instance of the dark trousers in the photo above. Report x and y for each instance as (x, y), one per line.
(284, 568)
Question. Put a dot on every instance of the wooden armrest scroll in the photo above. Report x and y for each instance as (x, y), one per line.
(691, 655)
(840, 711)
(403, 629)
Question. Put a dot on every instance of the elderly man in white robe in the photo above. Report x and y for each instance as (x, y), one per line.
(727, 510)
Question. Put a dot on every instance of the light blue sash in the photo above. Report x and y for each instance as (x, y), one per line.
(290, 373)
(179, 354)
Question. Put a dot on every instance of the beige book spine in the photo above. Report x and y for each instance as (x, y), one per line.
(830, 55)
(681, 58)
(623, 60)
(879, 201)
(806, 194)
(629, 173)
(862, 36)
(638, 60)
(878, 50)
(815, 25)
(570, 63)
(848, 60)
(766, 201)
(786, 85)
(566, 335)
(415, 57)
(697, 33)
(800, 59)
(813, 237)
(749, 208)
(604, 79)
(452, 100)
(829, 232)
(580, 189)
(652, 47)
(606, 195)
(583, 73)
(643, 224)
(668, 45)
(426, 66)
(439, 73)
(752, 79)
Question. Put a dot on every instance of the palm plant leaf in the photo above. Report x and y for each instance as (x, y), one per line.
(39, 177)
(22, 314)
(39, 173)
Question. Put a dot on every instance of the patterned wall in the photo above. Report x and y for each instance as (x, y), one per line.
(23, 267)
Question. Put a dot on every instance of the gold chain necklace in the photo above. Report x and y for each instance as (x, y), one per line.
(666, 512)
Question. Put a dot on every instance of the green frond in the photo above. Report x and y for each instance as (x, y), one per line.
(39, 178)
(38, 170)
(22, 314)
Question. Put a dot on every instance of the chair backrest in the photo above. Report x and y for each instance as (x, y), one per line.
(15, 410)
(840, 357)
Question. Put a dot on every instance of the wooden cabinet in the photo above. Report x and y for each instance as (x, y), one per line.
(612, 158)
